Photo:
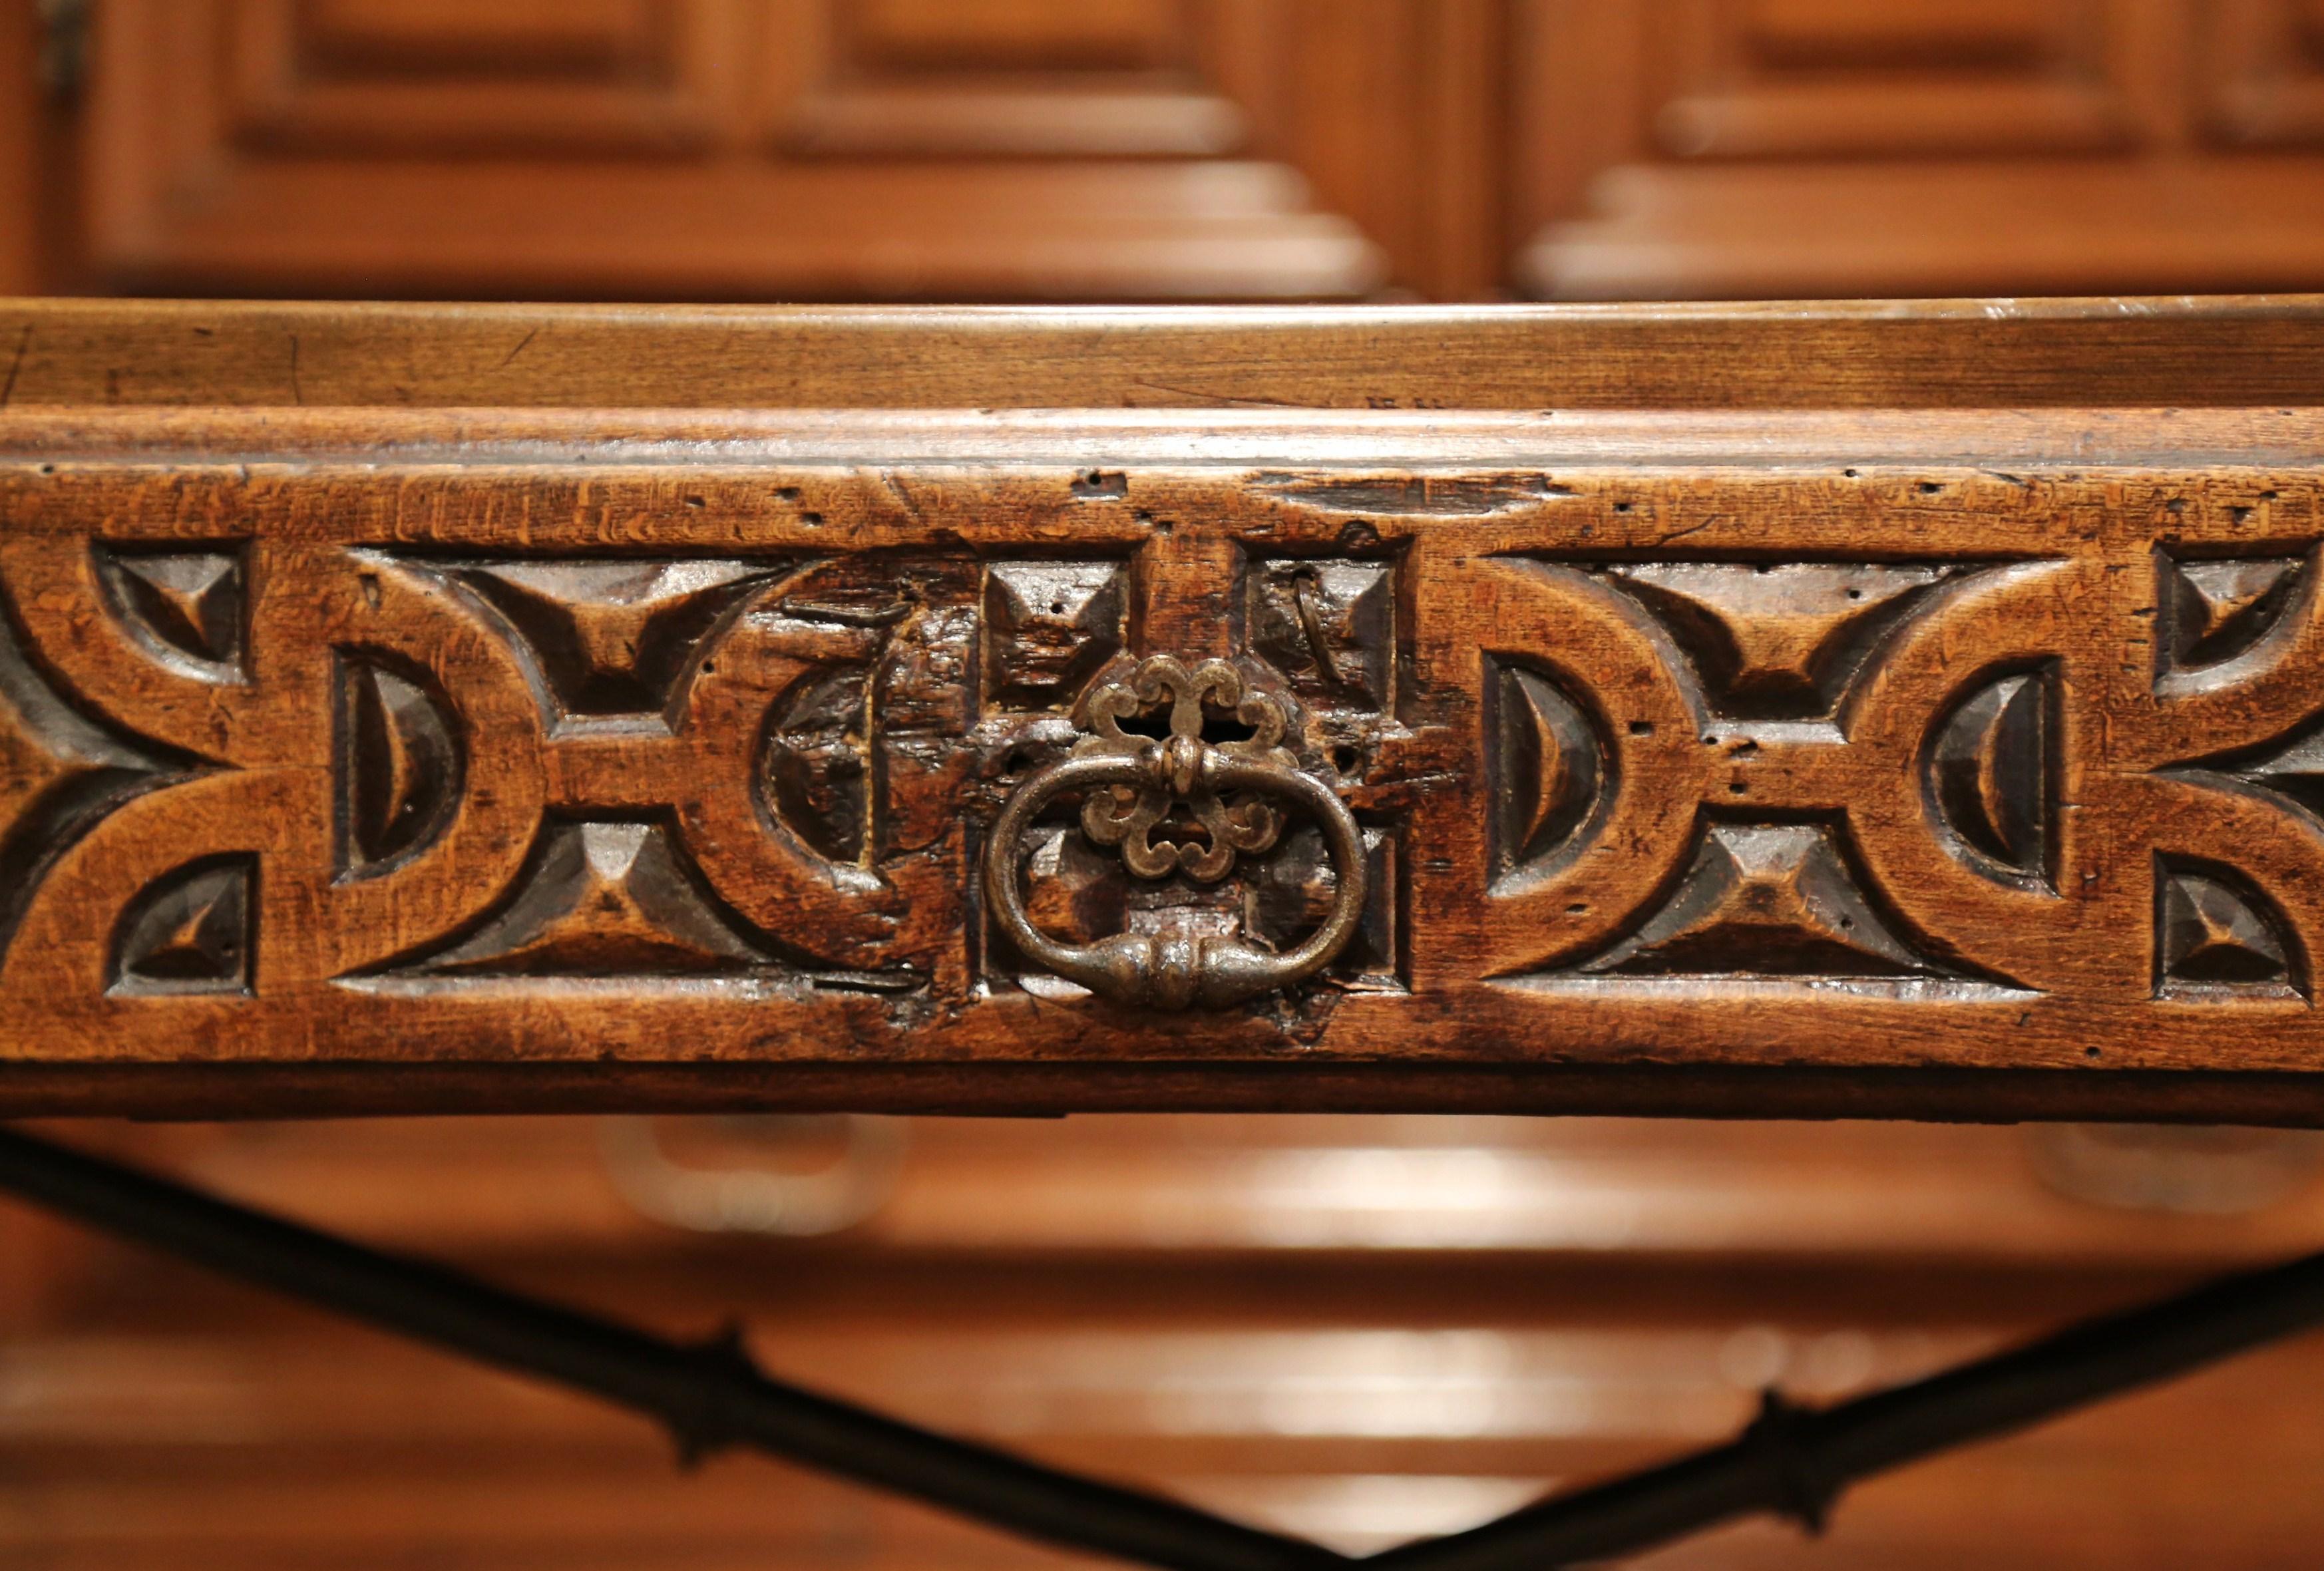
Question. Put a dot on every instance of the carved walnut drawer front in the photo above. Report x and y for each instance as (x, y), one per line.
(570, 709)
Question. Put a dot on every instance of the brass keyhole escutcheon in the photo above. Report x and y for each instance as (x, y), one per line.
(1132, 784)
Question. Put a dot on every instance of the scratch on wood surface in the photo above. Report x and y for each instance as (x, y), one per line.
(15, 366)
(896, 488)
(1691, 529)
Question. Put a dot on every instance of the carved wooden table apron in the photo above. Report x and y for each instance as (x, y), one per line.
(1914, 710)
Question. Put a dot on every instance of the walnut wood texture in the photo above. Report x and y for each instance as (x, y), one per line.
(1939, 757)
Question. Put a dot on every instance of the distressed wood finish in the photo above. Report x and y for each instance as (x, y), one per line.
(1943, 758)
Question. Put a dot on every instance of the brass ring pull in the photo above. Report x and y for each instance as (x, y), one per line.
(1132, 784)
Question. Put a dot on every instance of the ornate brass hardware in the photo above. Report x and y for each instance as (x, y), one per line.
(1131, 784)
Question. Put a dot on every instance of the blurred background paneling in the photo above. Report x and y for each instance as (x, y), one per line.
(1710, 148)
(1079, 150)
(768, 148)
(1362, 1328)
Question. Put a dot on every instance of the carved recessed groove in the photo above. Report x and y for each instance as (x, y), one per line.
(1329, 627)
(191, 930)
(1988, 777)
(1255, 753)
(604, 899)
(1776, 641)
(1550, 767)
(1768, 900)
(187, 608)
(2214, 936)
(2217, 610)
(401, 765)
(1050, 627)
(613, 637)
(1290, 894)
(2291, 767)
(61, 775)
(817, 762)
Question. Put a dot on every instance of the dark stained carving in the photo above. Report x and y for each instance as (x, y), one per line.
(817, 762)
(606, 899)
(188, 931)
(924, 683)
(1329, 627)
(2291, 767)
(1988, 772)
(1549, 766)
(61, 775)
(2214, 936)
(1776, 641)
(1771, 899)
(2213, 610)
(1050, 627)
(1289, 894)
(399, 766)
(186, 608)
(611, 637)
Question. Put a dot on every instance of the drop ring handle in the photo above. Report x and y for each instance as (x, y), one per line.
(1179, 966)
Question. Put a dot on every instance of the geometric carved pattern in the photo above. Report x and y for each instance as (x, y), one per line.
(2292, 766)
(1329, 627)
(2213, 936)
(1776, 641)
(398, 769)
(1636, 763)
(1990, 771)
(188, 931)
(185, 607)
(611, 637)
(604, 899)
(818, 762)
(1052, 626)
(1549, 767)
(1762, 655)
(1766, 900)
(61, 775)
(2214, 610)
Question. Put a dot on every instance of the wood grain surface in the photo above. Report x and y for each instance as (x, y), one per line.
(1816, 739)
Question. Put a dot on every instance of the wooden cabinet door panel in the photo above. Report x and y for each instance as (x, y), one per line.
(2266, 83)
(1749, 79)
(1796, 148)
(1136, 149)
(371, 77)
(701, 147)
